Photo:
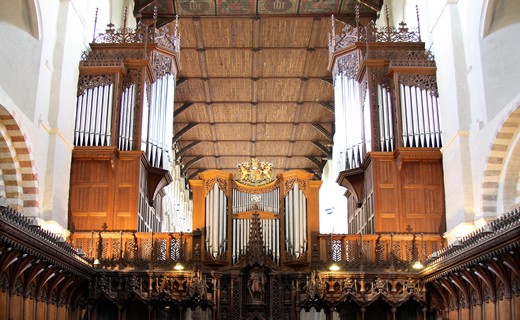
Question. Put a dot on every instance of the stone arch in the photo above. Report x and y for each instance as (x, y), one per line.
(501, 184)
(20, 181)
(24, 15)
(497, 14)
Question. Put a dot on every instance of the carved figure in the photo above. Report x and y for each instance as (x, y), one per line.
(256, 284)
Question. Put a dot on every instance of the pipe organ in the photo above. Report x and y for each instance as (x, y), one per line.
(123, 128)
(389, 127)
(386, 90)
(226, 211)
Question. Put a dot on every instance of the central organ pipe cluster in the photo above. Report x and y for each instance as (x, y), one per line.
(227, 216)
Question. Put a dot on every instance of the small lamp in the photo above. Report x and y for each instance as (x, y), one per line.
(178, 266)
(417, 265)
(334, 267)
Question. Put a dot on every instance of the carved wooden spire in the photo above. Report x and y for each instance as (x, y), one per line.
(255, 248)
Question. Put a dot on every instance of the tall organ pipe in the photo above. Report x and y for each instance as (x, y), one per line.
(216, 221)
(296, 221)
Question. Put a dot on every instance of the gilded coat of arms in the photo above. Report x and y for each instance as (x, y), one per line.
(255, 172)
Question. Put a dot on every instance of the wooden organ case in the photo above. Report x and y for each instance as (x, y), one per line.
(121, 156)
(286, 209)
(388, 101)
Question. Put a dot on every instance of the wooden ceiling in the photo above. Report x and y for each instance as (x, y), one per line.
(254, 82)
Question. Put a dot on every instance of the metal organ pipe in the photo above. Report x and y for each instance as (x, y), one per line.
(269, 202)
(93, 120)
(222, 223)
(420, 117)
(296, 221)
(215, 221)
(126, 119)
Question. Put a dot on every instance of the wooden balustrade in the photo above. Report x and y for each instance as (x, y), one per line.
(127, 249)
(378, 251)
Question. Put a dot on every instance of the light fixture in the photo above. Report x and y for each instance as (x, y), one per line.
(96, 262)
(334, 267)
(417, 265)
(80, 252)
(178, 266)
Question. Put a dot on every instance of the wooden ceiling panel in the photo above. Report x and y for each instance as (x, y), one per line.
(186, 30)
(196, 112)
(230, 90)
(304, 149)
(229, 33)
(278, 89)
(232, 112)
(205, 162)
(282, 62)
(190, 65)
(200, 132)
(315, 112)
(316, 60)
(319, 90)
(204, 148)
(281, 33)
(269, 148)
(322, 27)
(255, 86)
(233, 131)
(229, 63)
(302, 162)
(190, 90)
(226, 147)
(271, 131)
(309, 132)
(275, 112)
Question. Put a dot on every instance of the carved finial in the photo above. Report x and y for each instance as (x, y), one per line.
(255, 248)
(357, 20)
(95, 24)
(176, 28)
(388, 22)
(333, 34)
(418, 22)
(125, 15)
(123, 32)
(155, 9)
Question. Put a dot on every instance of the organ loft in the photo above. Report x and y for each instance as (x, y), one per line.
(163, 224)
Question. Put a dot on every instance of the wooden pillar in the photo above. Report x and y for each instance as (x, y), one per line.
(197, 187)
(396, 110)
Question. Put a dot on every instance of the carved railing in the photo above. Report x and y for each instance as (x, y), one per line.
(26, 246)
(142, 34)
(135, 250)
(372, 33)
(29, 226)
(377, 252)
(490, 237)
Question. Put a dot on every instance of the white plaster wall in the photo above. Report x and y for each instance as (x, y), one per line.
(42, 43)
(333, 203)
